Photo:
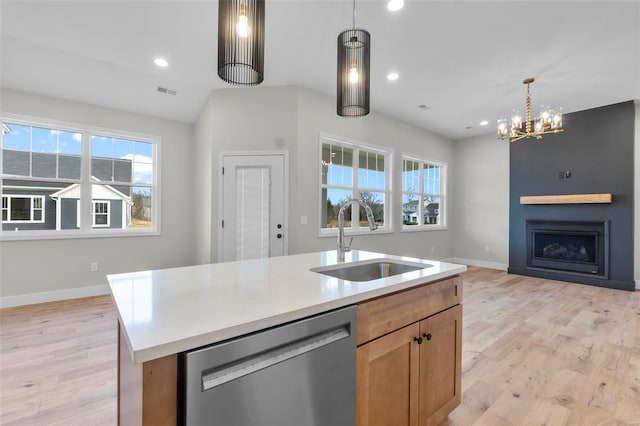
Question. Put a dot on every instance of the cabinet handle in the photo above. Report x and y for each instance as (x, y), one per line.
(427, 336)
(418, 340)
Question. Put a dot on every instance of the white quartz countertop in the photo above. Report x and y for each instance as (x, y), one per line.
(167, 311)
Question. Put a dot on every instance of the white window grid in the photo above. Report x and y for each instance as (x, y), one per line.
(356, 188)
(423, 193)
(87, 132)
(101, 208)
(36, 208)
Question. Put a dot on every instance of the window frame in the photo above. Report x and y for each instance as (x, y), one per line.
(32, 207)
(357, 147)
(442, 208)
(86, 230)
(94, 214)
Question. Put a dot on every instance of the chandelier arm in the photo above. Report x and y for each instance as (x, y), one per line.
(517, 138)
(523, 135)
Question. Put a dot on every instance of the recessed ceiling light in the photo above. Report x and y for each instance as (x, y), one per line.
(395, 5)
(484, 122)
(392, 76)
(161, 62)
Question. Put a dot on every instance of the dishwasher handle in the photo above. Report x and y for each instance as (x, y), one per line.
(251, 364)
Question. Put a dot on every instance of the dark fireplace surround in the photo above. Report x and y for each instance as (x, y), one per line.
(594, 244)
(570, 247)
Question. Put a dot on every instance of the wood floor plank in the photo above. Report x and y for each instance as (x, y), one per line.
(535, 352)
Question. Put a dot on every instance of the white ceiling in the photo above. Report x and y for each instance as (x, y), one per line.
(464, 59)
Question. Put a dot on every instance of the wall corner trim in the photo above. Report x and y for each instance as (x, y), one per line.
(53, 296)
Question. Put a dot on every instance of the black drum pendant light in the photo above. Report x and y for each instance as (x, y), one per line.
(354, 55)
(241, 41)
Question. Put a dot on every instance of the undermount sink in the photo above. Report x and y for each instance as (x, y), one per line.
(369, 270)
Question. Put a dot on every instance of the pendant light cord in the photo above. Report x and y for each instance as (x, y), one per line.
(354, 14)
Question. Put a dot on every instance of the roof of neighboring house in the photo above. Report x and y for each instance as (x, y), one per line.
(65, 166)
(100, 192)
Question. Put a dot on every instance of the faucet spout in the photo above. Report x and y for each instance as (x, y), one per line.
(342, 247)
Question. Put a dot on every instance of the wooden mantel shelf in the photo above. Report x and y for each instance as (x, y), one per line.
(566, 199)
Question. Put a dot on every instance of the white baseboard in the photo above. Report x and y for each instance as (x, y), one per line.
(53, 296)
(480, 263)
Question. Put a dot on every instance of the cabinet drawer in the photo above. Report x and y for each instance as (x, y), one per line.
(380, 316)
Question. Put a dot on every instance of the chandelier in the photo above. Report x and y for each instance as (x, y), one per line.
(549, 121)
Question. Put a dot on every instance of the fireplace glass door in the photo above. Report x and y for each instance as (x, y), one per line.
(576, 247)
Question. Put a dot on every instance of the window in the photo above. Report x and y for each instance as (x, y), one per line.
(352, 170)
(124, 167)
(22, 209)
(101, 213)
(423, 194)
(68, 180)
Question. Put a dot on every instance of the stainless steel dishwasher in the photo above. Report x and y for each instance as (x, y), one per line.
(298, 374)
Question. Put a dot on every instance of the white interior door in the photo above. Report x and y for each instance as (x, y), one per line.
(253, 207)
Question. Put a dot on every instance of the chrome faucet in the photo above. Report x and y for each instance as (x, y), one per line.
(342, 247)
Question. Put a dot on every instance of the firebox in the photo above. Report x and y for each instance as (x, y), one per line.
(567, 246)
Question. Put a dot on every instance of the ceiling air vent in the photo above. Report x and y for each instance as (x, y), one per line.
(167, 91)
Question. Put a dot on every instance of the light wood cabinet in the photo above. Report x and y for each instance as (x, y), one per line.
(410, 373)
(440, 365)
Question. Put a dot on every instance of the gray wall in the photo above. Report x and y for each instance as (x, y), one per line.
(481, 214)
(54, 265)
(202, 190)
(290, 119)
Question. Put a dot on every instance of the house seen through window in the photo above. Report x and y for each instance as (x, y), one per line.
(57, 180)
(348, 171)
(423, 194)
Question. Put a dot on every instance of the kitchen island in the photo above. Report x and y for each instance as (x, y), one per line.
(165, 312)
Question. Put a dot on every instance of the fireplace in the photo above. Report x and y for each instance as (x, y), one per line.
(569, 247)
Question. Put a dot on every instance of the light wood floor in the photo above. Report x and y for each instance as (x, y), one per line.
(535, 352)
(58, 363)
(541, 352)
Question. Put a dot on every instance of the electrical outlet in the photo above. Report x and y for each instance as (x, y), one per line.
(487, 249)
(94, 266)
(304, 220)
(433, 249)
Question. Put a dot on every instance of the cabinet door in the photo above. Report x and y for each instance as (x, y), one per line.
(387, 379)
(440, 365)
